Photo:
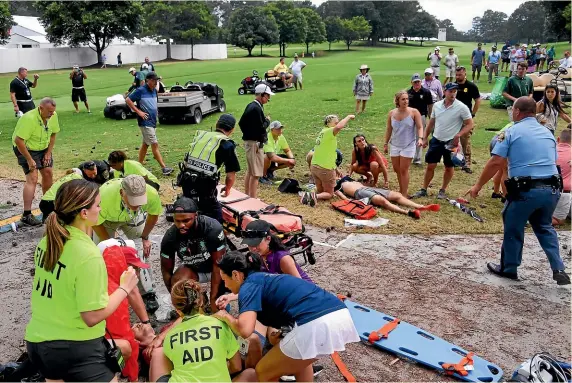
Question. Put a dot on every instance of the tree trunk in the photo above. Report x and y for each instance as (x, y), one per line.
(348, 44)
(168, 48)
(260, 50)
(307, 48)
(421, 43)
(192, 50)
(330, 45)
(249, 49)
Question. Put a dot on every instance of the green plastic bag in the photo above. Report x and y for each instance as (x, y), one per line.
(497, 100)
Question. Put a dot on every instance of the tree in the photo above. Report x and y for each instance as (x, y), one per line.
(23, 8)
(354, 29)
(6, 22)
(526, 22)
(334, 29)
(424, 27)
(291, 23)
(493, 26)
(251, 26)
(95, 23)
(181, 21)
(395, 16)
(567, 15)
(557, 22)
(316, 32)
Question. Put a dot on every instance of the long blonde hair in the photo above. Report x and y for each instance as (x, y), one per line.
(398, 96)
(72, 197)
(187, 296)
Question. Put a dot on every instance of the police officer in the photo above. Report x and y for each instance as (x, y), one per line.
(534, 187)
(20, 92)
(96, 171)
(78, 91)
(200, 172)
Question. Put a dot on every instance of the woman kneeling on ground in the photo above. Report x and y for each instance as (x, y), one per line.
(119, 162)
(321, 322)
(368, 161)
(65, 335)
(197, 349)
(323, 168)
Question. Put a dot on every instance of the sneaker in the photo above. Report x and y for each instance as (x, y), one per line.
(420, 193)
(313, 199)
(264, 181)
(561, 277)
(442, 194)
(291, 378)
(305, 198)
(467, 170)
(497, 195)
(496, 269)
(150, 300)
(30, 220)
(415, 214)
(167, 171)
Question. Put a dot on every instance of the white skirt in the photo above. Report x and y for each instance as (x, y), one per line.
(362, 98)
(320, 337)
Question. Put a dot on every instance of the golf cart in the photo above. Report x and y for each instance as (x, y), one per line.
(116, 107)
(560, 77)
(275, 82)
(190, 102)
(249, 83)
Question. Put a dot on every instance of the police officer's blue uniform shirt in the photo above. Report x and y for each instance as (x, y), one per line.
(530, 149)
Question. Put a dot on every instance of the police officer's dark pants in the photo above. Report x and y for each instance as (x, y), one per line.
(211, 208)
(535, 206)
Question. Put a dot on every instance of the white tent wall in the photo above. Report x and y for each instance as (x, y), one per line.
(63, 58)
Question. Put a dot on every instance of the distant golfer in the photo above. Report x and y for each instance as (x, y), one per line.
(78, 91)
(20, 92)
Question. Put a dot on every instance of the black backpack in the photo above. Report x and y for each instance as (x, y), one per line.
(289, 185)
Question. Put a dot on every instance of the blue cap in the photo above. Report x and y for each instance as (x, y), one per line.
(451, 85)
(226, 122)
(415, 77)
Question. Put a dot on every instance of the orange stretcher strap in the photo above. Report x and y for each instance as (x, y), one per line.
(343, 368)
(383, 332)
(459, 368)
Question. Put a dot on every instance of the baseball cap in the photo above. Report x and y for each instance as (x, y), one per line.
(185, 205)
(226, 122)
(151, 76)
(416, 77)
(255, 232)
(262, 89)
(451, 86)
(437, 48)
(494, 47)
(429, 70)
(77, 171)
(479, 44)
(132, 259)
(135, 189)
(276, 125)
(75, 67)
(132, 70)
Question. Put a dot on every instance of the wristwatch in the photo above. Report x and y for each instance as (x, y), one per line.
(146, 321)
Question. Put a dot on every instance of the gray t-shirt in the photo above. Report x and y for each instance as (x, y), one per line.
(449, 121)
(435, 60)
(478, 56)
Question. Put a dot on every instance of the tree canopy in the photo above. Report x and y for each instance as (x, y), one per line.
(424, 27)
(292, 24)
(316, 32)
(251, 26)
(6, 22)
(334, 29)
(354, 29)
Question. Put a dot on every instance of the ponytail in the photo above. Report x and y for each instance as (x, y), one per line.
(187, 296)
(72, 197)
(245, 263)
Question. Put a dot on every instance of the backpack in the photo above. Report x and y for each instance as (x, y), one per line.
(289, 185)
(355, 209)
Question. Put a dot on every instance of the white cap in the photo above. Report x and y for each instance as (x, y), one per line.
(262, 89)
(144, 66)
(132, 70)
(76, 67)
(428, 70)
(437, 48)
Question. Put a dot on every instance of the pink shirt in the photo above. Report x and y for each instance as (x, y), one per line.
(563, 160)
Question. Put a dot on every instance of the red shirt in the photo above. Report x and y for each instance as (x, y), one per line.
(563, 160)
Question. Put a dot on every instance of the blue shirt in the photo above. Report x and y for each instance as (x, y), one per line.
(282, 300)
(530, 149)
(146, 100)
(494, 57)
(478, 56)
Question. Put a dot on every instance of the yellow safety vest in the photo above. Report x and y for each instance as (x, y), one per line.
(201, 156)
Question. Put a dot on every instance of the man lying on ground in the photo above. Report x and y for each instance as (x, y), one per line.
(347, 188)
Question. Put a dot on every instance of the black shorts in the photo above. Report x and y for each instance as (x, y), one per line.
(79, 95)
(506, 60)
(274, 165)
(211, 208)
(72, 361)
(37, 156)
(46, 207)
(436, 151)
(164, 379)
(477, 68)
(26, 106)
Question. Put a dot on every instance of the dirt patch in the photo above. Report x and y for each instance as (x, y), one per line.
(438, 283)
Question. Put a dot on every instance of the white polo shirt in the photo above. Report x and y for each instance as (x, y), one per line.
(449, 121)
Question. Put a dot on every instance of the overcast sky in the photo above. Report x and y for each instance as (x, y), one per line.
(461, 12)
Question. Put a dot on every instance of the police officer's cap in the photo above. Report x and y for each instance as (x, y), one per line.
(185, 205)
(226, 122)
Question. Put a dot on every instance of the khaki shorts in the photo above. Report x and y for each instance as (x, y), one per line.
(562, 210)
(254, 158)
(148, 135)
(325, 179)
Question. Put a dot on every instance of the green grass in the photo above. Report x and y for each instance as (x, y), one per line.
(328, 82)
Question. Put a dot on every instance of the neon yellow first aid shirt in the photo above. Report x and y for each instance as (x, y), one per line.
(135, 167)
(31, 129)
(278, 146)
(51, 193)
(325, 149)
(112, 209)
(77, 284)
(199, 348)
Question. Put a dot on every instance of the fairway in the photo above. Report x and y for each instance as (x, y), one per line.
(328, 80)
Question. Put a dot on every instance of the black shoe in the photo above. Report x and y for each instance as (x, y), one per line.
(561, 278)
(496, 269)
(317, 369)
(270, 175)
(30, 220)
(467, 170)
(151, 304)
(497, 195)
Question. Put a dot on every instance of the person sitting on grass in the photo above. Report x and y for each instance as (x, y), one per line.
(367, 160)
(551, 107)
(339, 160)
(119, 162)
(347, 188)
(274, 160)
(323, 168)
(321, 322)
(199, 349)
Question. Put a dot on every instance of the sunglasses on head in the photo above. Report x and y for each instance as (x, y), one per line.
(254, 234)
(460, 68)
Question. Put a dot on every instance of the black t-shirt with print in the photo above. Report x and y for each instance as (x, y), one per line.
(468, 92)
(420, 100)
(21, 88)
(194, 248)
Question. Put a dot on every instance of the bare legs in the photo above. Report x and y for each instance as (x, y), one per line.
(156, 153)
(251, 185)
(430, 172)
(401, 167)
